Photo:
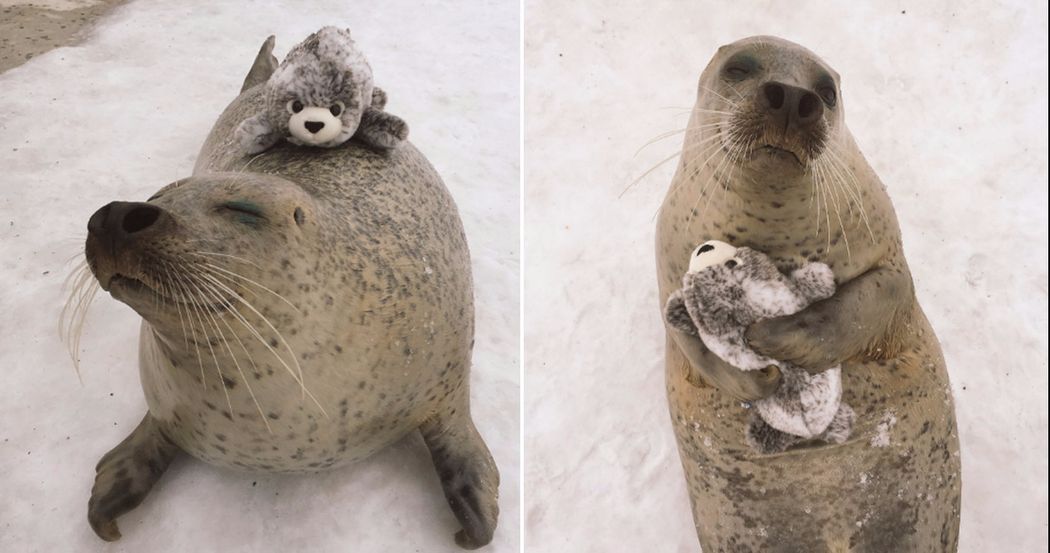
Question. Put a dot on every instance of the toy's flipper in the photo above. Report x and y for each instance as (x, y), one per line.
(378, 99)
(676, 314)
(264, 66)
(381, 130)
(255, 134)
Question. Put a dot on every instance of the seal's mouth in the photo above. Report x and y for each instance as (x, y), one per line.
(129, 289)
(780, 153)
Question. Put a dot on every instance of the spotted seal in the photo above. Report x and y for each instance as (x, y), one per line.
(301, 309)
(768, 163)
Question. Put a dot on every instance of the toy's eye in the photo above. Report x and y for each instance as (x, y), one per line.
(704, 249)
(731, 263)
(336, 109)
(295, 106)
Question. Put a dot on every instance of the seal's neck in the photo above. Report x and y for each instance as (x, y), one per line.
(823, 211)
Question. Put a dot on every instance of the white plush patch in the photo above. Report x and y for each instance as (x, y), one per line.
(710, 253)
(314, 126)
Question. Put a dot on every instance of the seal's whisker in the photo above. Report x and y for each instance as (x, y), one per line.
(234, 257)
(74, 312)
(211, 318)
(851, 178)
(211, 267)
(832, 187)
(732, 104)
(240, 371)
(660, 163)
(710, 146)
(183, 296)
(232, 310)
(668, 134)
(199, 310)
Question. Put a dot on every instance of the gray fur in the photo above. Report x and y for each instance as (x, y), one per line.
(325, 69)
(720, 302)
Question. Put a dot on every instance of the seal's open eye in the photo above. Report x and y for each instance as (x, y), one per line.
(295, 106)
(336, 109)
(827, 93)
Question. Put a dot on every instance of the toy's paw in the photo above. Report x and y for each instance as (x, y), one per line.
(815, 281)
(841, 426)
(793, 339)
(255, 134)
(382, 130)
(767, 440)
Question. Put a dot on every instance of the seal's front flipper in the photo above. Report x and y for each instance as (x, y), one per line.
(704, 368)
(468, 474)
(126, 474)
(264, 66)
(381, 130)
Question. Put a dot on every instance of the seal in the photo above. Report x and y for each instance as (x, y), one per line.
(768, 163)
(302, 309)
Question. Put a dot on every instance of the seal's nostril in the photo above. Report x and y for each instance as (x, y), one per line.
(140, 218)
(808, 106)
(314, 126)
(774, 95)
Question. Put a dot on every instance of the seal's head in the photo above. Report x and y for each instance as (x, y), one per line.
(203, 245)
(777, 103)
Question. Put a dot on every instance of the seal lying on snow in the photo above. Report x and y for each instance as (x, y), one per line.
(301, 309)
(769, 164)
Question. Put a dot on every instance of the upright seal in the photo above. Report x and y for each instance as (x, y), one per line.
(301, 309)
(768, 163)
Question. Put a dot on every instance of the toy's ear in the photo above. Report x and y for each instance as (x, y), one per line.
(710, 253)
(256, 134)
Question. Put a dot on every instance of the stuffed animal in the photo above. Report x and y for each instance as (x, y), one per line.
(725, 291)
(321, 95)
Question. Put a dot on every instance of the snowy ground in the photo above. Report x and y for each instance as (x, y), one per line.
(949, 103)
(125, 112)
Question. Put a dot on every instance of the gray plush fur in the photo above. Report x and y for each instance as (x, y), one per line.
(719, 303)
(325, 70)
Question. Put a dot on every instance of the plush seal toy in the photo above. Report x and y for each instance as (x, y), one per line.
(728, 289)
(322, 95)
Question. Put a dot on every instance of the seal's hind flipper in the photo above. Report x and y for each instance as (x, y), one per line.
(468, 474)
(126, 474)
(264, 66)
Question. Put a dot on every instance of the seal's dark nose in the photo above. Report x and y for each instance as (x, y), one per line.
(314, 126)
(792, 106)
(119, 221)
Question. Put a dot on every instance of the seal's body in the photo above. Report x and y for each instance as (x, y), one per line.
(301, 309)
(768, 163)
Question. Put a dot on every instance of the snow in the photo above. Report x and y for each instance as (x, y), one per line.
(124, 113)
(948, 102)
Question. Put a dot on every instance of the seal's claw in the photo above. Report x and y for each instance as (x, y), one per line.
(125, 476)
(468, 474)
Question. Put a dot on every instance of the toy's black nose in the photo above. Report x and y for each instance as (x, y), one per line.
(122, 221)
(314, 126)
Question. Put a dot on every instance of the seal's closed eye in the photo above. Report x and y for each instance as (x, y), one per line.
(246, 212)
